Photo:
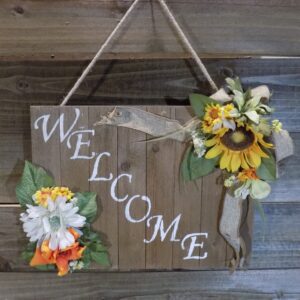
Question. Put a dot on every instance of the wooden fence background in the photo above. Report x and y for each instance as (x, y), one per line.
(44, 46)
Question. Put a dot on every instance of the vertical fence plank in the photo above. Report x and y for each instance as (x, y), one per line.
(160, 188)
(46, 154)
(132, 160)
(105, 140)
(212, 198)
(187, 201)
(74, 172)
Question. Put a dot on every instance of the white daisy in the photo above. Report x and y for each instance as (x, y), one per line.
(52, 222)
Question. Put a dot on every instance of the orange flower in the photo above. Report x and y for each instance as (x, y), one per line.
(247, 174)
(60, 257)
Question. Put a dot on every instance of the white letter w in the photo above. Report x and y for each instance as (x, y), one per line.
(62, 134)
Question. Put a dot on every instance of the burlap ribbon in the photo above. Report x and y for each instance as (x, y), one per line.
(158, 126)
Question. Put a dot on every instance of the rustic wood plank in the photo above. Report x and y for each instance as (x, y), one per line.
(132, 160)
(160, 161)
(275, 243)
(14, 149)
(264, 284)
(211, 208)
(140, 82)
(74, 172)
(187, 200)
(105, 140)
(46, 155)
(71, 31)
(287, 187)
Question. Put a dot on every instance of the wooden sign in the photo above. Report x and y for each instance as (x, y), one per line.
(149, 218)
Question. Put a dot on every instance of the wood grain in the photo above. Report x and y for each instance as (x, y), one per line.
(160, 189)
(132, 160)
(276, 241)
(105, 140)
(211, 208)
(74, 172)
(32, 30)
(264, 284)
(46, 154)
(139, 82)
(187, 201)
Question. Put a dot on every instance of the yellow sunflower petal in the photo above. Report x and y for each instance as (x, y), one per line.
(225, 160)
(235, 161)
(262, 142)
(258, 150)
(254, 158)
(211, 142)
(244, 162)
(214, 151)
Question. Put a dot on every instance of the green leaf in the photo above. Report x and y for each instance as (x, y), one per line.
(260, 208)
(28, 252)
(252, 103)
(253, 116)
(45, 267)
(193, 167)
(33, 179)
(101, 258)
(239, 99)
(184, 167)
(200, 167)
(234, 84)
(267, 169)
(199, 102)
(87, 204)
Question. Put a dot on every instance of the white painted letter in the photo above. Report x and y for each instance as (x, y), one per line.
(127, 209)
(79, 143)
(193, 244)
(114, 185)
(95, 169)
(47, 134)
(159, 226)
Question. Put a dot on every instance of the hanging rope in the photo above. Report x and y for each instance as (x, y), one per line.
(98, 54)
(181, 34)
(187, 44)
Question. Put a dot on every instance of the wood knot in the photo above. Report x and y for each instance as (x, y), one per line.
(19, 10)
(125, 166)
(155, 148)
(22, 85)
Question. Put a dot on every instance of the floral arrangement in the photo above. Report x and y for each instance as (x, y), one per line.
(235, 135)
(58, 224)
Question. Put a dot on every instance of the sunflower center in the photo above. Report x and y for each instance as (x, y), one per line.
(214, 113)
(238, 140)
(238, 137)
(54, 223)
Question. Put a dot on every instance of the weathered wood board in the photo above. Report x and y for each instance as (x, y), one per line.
(209, 285)
(150, 219)
(74, 30)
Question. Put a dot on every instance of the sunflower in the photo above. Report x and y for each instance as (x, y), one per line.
(238, 148)
(217, 116)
